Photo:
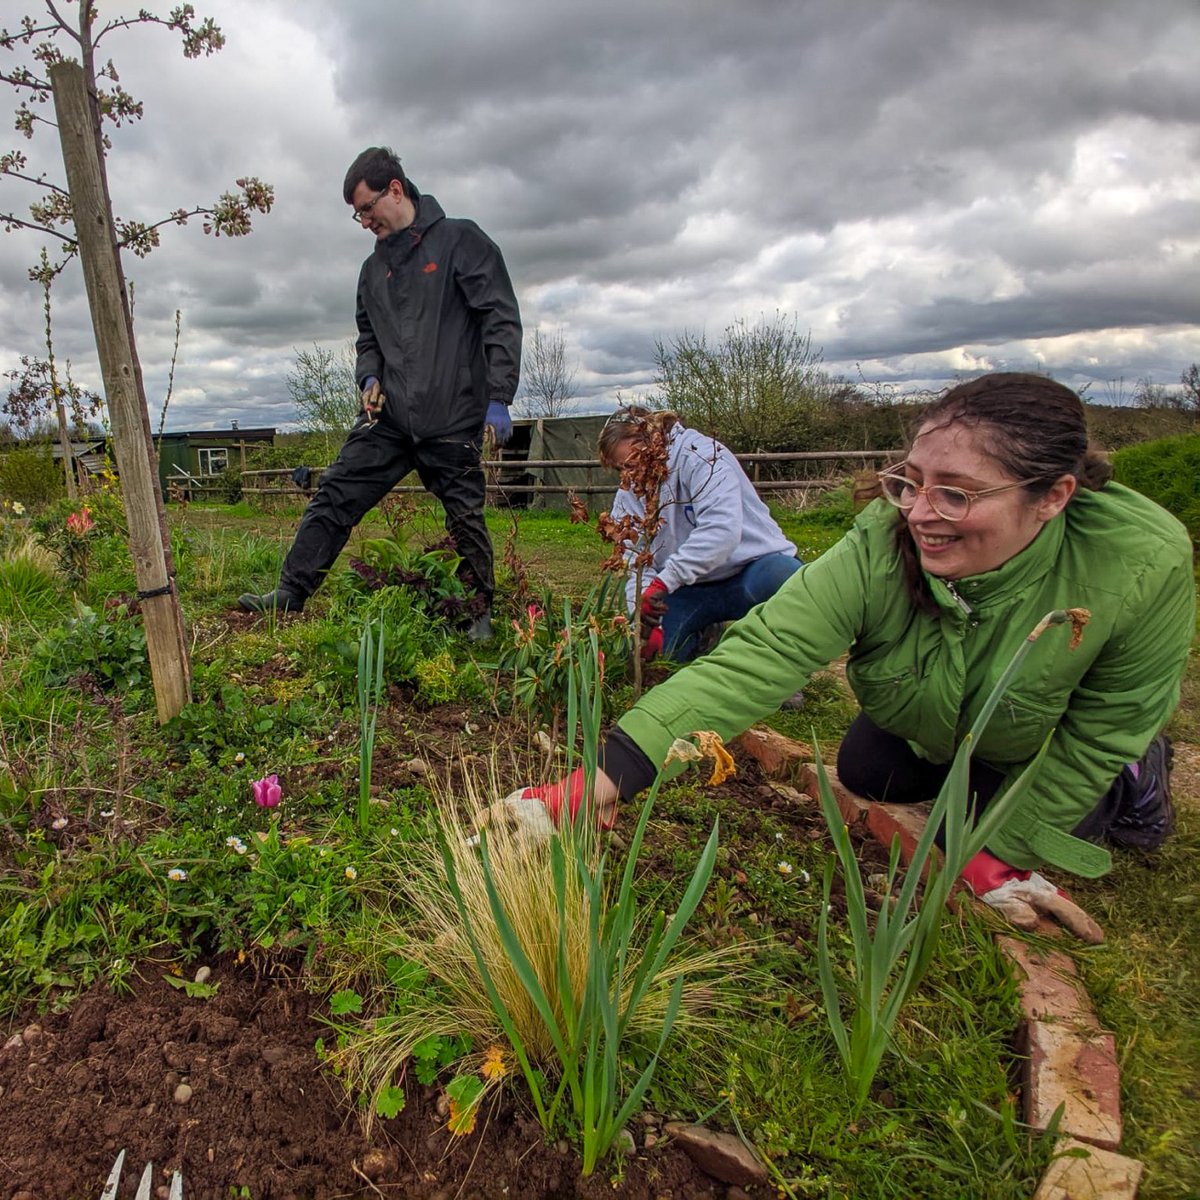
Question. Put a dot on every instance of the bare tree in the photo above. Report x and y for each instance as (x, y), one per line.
(547, 384)
(1190, 382)
(325, 391)
(1149, 394)
(81, 108)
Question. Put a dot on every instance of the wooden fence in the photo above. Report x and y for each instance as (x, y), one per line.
(261, 485)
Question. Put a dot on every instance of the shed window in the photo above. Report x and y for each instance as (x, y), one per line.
(213, 461)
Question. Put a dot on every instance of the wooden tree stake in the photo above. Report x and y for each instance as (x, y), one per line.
(126, 406)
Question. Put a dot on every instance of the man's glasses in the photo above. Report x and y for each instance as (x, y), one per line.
(950, 503)
(359, 214)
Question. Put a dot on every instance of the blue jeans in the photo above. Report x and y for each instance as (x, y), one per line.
(694, 608)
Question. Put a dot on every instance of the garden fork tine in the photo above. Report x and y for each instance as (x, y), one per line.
(114, 1178)
(143, 1191)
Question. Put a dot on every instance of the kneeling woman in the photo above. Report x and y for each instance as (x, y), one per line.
(998, 515)
(717, 552)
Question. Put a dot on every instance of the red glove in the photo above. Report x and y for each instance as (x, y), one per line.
(985, 872)
(553, 794)
(652, 647)
(1024, 897)
(654, 604)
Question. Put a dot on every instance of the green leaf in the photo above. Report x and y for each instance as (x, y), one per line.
(348, 1001)
(465, 1090)
(195, 991)
(390, 1102)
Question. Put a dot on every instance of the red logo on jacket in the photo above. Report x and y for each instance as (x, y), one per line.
(430, 268)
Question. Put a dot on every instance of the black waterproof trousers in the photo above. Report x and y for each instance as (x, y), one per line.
(373, 459)
(881, 766)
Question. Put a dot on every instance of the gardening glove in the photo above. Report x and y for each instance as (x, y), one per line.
(1022, 897)
(372, 398)
(654, 604)
(499, 421)
(535, 812)
(652, 646)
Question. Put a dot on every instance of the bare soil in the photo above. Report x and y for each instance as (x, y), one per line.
(113, 1074)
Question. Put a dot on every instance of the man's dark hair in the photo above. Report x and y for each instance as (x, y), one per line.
(376, 166)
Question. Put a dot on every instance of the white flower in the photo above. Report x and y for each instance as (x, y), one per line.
(805, 877)
(18, 508)
(779, 837)
(236, 843)
(239, 757)
(351, 873)
(394, 832)
(784, 867)
(59, 823)
(177, 874)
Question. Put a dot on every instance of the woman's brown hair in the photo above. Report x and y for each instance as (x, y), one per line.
(1035, 428)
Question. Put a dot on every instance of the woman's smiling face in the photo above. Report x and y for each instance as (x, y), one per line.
(997, 527)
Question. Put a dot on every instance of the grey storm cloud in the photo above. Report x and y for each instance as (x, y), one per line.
(925, 185)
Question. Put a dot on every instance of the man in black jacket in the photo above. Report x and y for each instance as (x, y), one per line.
(439, 356)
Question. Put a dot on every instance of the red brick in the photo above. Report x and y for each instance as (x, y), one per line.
(853, 808)
(885, 821)
(778, 756)
(1100, 1175)
(1077, 1069)
(1049, 984)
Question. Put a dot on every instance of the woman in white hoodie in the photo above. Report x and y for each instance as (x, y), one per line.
(717, 552)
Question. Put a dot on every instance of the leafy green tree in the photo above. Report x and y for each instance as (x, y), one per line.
(761, 387)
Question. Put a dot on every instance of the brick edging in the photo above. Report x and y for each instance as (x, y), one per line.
(1070, 1063)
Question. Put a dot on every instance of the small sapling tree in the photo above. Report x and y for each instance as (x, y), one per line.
(45, 67)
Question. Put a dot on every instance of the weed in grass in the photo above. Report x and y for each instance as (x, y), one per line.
(370, 692)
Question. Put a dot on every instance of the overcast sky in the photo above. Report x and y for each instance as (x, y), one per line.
(932, 187)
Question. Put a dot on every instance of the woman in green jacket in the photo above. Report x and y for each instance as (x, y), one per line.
(999, 514)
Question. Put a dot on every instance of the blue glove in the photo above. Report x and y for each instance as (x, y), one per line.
(500, 422)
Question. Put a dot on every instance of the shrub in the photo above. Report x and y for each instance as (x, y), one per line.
(113, 651)
(30, 476)
(1168, 471)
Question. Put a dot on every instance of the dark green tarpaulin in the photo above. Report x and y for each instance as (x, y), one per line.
(569, 438)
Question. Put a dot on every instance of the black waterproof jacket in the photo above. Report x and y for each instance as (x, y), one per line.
(438, 325)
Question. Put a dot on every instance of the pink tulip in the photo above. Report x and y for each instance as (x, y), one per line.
(79, 523)
(267, 791)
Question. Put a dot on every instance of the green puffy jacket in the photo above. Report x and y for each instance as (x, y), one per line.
(924, 678)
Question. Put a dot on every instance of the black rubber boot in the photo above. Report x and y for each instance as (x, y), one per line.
(480, 629)
(1146, 817)
(277, 601)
